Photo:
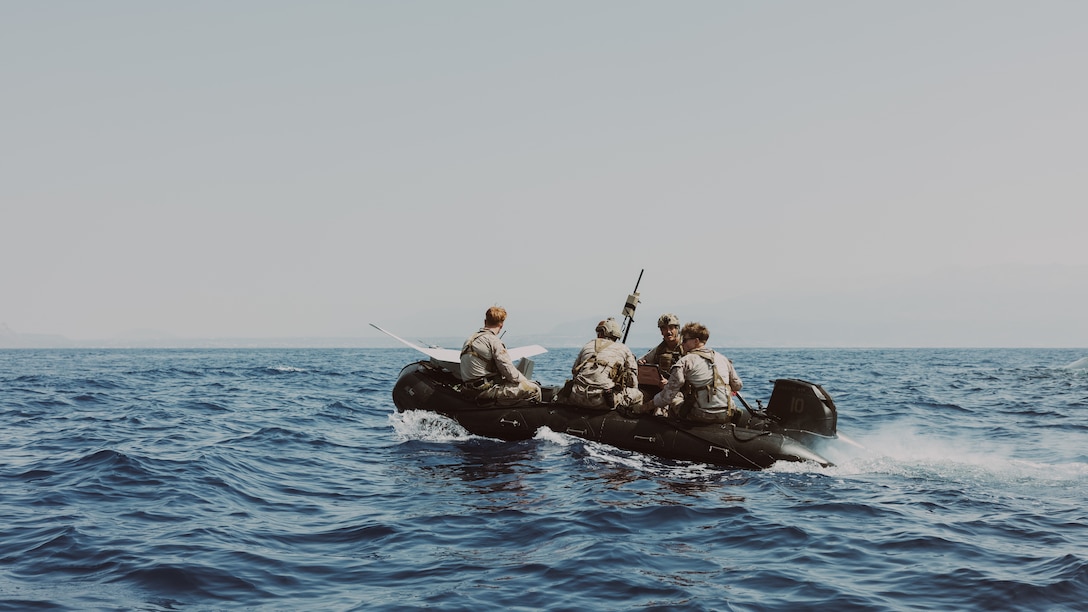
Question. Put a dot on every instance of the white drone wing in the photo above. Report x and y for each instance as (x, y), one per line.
(526, 351)
(451, 357)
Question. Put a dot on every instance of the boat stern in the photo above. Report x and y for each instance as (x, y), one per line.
(804, 407)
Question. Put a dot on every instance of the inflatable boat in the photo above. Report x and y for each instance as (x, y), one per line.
(799, 419)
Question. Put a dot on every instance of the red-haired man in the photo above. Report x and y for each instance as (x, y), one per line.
(486, 365)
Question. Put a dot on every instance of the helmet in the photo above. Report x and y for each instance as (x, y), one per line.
(668, 319)
(609, 328)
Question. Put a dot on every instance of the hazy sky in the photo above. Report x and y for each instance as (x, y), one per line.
(797, 173)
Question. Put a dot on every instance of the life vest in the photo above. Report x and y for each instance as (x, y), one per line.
(604, 368)
(474, 363)
(716, 395)
(666, 357)
(604, 379)
(469, 349)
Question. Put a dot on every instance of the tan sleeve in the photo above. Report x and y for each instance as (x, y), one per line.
(632, 370)
(734, 381)
(503, 363)
(676, 382)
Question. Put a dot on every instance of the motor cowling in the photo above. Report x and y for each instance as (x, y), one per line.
(802, 405)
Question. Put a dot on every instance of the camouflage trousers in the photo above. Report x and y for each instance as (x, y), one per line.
(524, 390)
(595, 397)
(648, 407)
(678, 408)
(710, 415)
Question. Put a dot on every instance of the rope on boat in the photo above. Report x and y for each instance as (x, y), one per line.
(740, 439)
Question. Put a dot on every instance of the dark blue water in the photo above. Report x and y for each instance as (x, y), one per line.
(283, 479)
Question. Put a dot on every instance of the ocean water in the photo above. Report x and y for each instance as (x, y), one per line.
(285, 480)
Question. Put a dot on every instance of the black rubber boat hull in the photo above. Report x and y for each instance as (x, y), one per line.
(429, 387)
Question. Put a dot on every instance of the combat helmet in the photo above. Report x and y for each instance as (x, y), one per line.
(609, 328)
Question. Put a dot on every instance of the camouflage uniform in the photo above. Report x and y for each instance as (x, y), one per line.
(707, 389)
(663, 357)
(605, 368)
(487, 367)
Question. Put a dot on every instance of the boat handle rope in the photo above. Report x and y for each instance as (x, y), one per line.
(740, 439)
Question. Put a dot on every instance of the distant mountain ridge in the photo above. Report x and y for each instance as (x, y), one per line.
(11, 339)
(997, 306)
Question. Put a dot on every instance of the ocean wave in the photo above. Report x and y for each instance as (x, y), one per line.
(1080, 364)
(428, 426)
(284, 369)
(203, 480)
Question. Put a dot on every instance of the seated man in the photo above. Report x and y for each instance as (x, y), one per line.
(670, 350)
(605, 372)
(486, 366)
(704, 379)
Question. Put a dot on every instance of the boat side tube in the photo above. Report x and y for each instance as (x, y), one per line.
(431, 387)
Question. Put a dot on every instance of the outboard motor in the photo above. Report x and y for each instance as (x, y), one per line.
(801, 405)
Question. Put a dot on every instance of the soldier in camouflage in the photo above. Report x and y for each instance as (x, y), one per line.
(704, 378)
(605, 372)
(486, 365)
(671, 349)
